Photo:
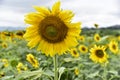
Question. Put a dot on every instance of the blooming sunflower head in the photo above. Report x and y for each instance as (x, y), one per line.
(98, 54)
(113, 46)
(51, 30)
(97, 37)
(30, 58)
(74, 52)
(83, 49)
(81, 38)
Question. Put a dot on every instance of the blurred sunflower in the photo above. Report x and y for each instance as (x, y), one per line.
(83, 49)
(30, 58)
(2, 74)
(81, 38)
(74, 52)
(113, 46)
(76, 71)
(21, 67)
(98, 54)
(7, 34)
(97, 37)
(19, 34)
(96, 25)
(5, 61)
(4, 45)
(2, 36)
(118, 38)
(51, 30)
(12, 36)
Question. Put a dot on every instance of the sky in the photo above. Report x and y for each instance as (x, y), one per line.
(103, 12)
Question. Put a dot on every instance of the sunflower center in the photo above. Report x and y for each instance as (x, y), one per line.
(97, 38)
(32, 60)
(83, 49)
(99, 53)
(74, 52)
(114, 47)
(52, 29)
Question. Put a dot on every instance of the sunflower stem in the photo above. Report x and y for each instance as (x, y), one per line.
(55, 67)
(104, 73)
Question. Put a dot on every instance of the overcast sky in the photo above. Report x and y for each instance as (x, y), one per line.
(103, 12)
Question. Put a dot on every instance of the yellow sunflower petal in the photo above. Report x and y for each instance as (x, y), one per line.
(43, 47)
(31, 32)
(98, 54)
(49, 37)
(43, 10)
(66, 15)
(59, 48)
(56, 8)
(74, 29)
(73, 32)
(74, 25)
(34, 42)
(51, 50)
(70, 41)
(33, 18)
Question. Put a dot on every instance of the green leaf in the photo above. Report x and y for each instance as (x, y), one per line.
(61, 70)
(71, 59)
(93, 74)
(7, 77)
(113, 72)
(27, 74)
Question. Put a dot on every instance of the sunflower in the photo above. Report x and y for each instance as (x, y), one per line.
(51, 30)
(97, 37)
(118, 38)
(12, 36)
(74, 52)
(30, 58)
(2, 36)
(21, 67)
(2, 74)
(5, 61)
(96, 25)
(76, 71)
(19, 34)
(98, 54)
(113, 46)
(83, 49)
(81, 38)
(4, 45)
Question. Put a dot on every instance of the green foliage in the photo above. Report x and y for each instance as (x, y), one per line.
(17, 50)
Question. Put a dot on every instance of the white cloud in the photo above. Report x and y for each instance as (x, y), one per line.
(11, 18)
(103, 12)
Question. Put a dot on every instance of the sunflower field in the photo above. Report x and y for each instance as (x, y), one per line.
(84, 62)
(54, 48)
